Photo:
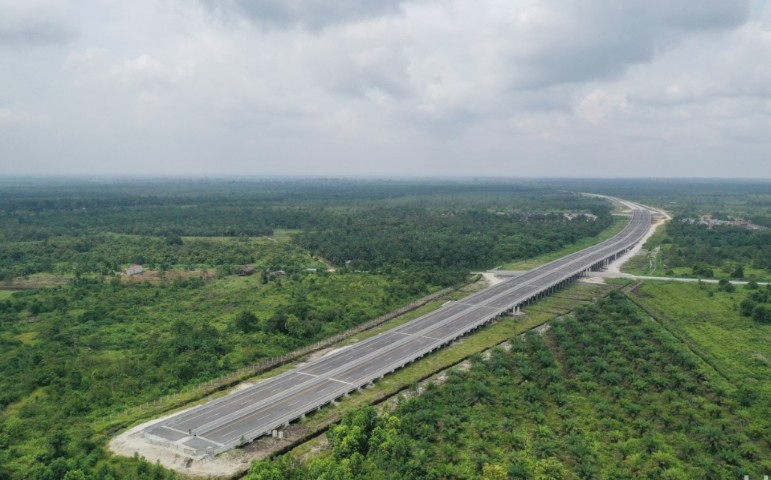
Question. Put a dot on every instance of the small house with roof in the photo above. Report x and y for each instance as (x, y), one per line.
(134, 270)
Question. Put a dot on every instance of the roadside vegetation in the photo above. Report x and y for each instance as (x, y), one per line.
(407, 379)
(619, 222)
(713, 324)
(687, 248)
(83, 342)
(606, 393)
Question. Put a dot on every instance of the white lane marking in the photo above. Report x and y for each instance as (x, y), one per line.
(336, 380)
(175, 429)
(206, 440)
(466, 304)
(413, 335)
(309, 374)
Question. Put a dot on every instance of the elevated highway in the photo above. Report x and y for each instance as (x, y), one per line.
(242, 416)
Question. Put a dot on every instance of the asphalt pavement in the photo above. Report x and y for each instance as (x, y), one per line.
(240, 417)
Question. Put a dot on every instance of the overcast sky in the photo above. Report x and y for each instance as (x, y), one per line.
(386, 87)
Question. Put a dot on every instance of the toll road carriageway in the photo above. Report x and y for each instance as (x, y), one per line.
(261, 409)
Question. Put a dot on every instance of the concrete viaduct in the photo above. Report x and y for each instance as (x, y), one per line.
(265, 408)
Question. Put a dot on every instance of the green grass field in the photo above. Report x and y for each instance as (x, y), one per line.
(5, 294)
(738, 348)
(650, 263)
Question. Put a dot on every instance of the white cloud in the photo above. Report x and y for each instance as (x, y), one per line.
(143, 72)
(483, 87)
(599, 104)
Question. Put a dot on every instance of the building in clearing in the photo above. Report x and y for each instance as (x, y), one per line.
(134, 270)
(246, 270)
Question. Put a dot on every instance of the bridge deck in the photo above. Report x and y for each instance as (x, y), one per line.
(242, 416)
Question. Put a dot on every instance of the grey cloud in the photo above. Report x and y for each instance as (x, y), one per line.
(310, 14)
(402, 87)
(582, 40)
(35, 33)
(367, 71)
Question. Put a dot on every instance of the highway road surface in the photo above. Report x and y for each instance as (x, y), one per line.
(242, 416)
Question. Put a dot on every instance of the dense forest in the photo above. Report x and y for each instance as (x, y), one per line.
(438, 231)
(83, 342)
(729, 248)
(606, 393)
(427, 238)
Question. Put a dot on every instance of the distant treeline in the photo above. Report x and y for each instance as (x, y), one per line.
(437, 230)
(727, 247)
(459, 238)
(75, 355)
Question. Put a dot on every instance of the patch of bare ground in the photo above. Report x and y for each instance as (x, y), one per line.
(615, 266)
(156, 277)
(35, 282)
(491, 279)
(229, 464)
(330, 265)
(593, 280)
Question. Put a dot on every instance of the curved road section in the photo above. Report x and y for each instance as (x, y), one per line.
(227, 422)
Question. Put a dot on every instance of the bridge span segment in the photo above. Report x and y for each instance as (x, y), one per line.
(240, 417)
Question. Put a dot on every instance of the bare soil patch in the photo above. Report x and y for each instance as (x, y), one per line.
(156, 277)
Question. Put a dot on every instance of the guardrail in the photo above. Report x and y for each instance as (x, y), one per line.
(632, 236)
(329, 374)
(347, 388)
(523, 289)
(274, 362)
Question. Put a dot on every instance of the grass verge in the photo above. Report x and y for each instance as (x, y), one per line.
(535, 315)
(199, 394)
(618, 224)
